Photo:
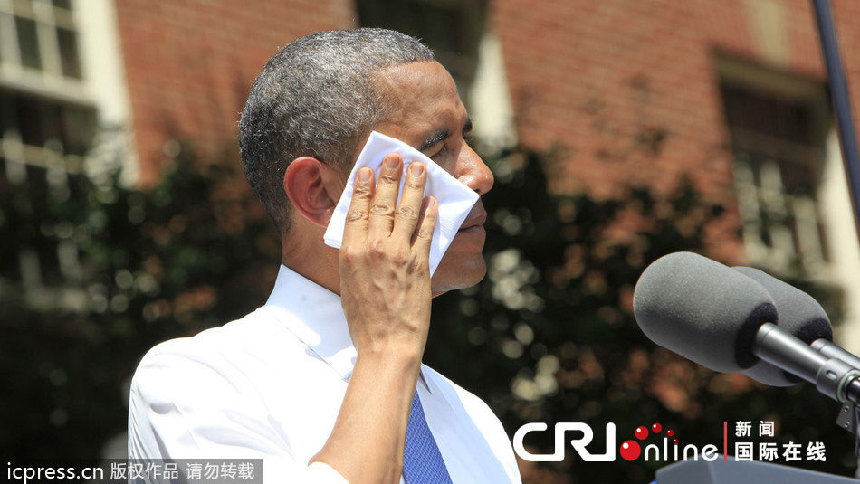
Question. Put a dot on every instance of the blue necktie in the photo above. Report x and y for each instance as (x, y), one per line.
(422, 461)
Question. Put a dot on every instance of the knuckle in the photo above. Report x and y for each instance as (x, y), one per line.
(379, 208)
(355, 215)
(348, 255)
(389, 178)
(376, 247)
(425, 233)
(406, 212)
(361, 191)
(400, 256)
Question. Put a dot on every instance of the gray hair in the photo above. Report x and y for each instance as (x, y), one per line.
(316, 97)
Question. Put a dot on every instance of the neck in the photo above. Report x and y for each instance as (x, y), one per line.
(310, 257)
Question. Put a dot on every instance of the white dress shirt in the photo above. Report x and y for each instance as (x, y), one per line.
(270, 386)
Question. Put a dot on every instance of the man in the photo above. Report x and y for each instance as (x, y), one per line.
(325, 381)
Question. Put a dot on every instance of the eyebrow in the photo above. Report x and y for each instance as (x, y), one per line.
(441, 134)
(435, 137)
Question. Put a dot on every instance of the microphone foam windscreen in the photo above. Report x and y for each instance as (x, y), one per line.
(800, 315)
(702, 310)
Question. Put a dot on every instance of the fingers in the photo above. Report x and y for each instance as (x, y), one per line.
(409, 210)
(359, 207)
(381, 218)
(374, 215)
(426, 225)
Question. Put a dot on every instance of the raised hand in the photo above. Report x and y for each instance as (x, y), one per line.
(384, 269)
(385, 293)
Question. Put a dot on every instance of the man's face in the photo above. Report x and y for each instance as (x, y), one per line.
(427, 113)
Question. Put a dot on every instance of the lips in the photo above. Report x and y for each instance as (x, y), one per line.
(474, 223)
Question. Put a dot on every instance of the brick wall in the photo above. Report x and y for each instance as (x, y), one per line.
(627, 88)
(606, 80)
(190, 64)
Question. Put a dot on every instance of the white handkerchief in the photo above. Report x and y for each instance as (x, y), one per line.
(455, 199)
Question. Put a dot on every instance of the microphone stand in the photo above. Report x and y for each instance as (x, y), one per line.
(849, 415)
(834, 371)
(838, 379)
(848, 419)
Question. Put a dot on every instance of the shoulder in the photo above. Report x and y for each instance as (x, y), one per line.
(224, 355)
(471, 402)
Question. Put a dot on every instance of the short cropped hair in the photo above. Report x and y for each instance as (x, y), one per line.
(316, 97)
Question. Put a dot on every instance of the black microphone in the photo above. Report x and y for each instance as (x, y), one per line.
(722, 319)
(702, 310)
(800, 315)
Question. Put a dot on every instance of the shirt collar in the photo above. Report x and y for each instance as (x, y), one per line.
(315, 316)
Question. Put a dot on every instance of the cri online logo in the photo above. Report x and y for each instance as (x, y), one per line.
(628, 450)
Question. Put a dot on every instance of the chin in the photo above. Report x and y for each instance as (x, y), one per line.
(458, 273)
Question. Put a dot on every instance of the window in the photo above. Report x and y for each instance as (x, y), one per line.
(48, 127)
(464, 43)
(453, 29)
(778, 126)
(39, 36)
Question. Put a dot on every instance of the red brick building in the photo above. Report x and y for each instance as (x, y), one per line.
(730, 93)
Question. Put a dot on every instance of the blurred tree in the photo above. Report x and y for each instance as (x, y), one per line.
(550, 335)
(192, 252)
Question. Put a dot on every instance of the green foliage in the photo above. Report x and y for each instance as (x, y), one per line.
(192, 252)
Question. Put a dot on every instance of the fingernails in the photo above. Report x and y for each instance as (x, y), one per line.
(416, 169)
(391, 162)
(363, 175)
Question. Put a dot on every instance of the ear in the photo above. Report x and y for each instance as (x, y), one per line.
(312, 188)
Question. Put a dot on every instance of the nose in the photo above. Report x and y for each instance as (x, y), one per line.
(473, 172)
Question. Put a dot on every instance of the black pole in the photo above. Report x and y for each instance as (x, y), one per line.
(841, 101)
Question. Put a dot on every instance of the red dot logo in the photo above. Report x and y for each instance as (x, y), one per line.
(670, 433)
(656, 428)
(641, 433)
(630, 450)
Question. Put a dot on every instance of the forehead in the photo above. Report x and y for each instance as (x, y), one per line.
(420, 97)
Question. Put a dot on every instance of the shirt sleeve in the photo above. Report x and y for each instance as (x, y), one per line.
(181, 406)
